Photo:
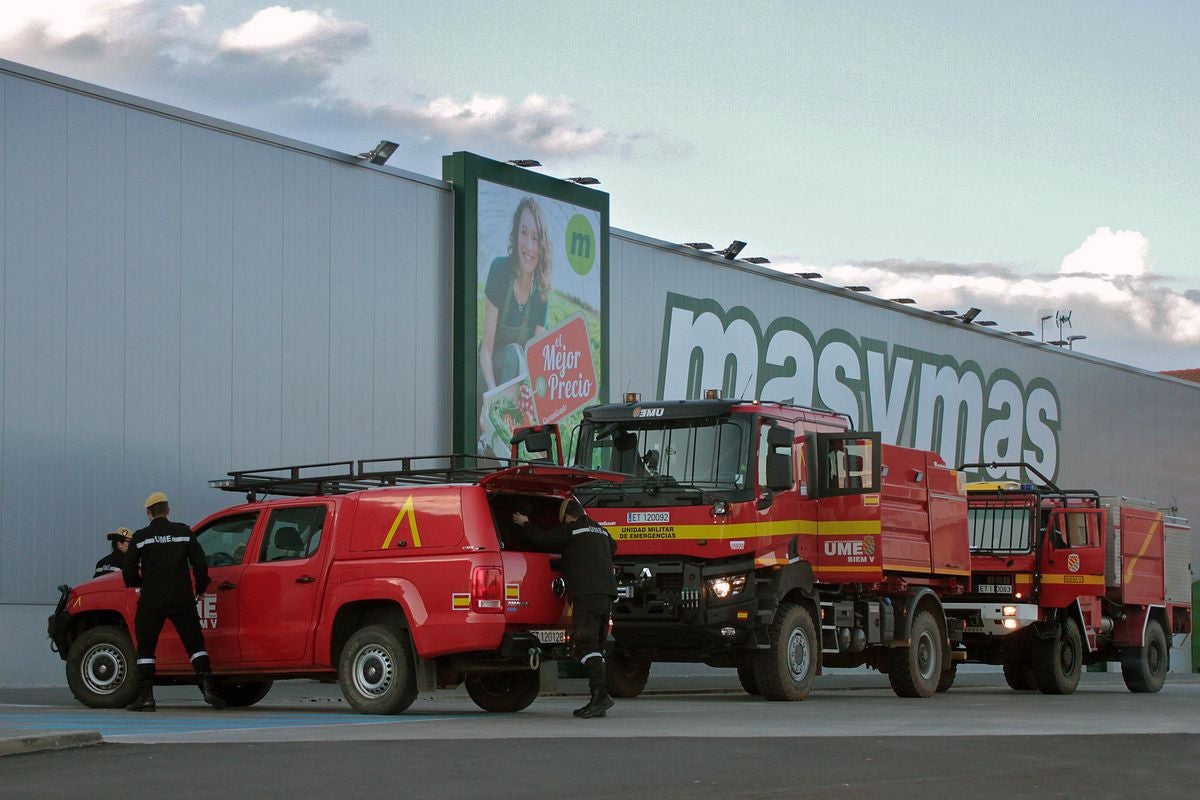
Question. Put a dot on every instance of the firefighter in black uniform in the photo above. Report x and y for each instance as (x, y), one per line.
(157, 562)
(114, 561)
(587, 562)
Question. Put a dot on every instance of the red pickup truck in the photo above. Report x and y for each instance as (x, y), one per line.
(388, 580)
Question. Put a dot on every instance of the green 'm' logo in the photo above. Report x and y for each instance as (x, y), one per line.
(581, 244)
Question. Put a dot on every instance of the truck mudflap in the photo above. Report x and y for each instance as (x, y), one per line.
(59, 623)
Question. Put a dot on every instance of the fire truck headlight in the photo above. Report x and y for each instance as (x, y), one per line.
(726, 586)
(1011, 624)
(1010, 611)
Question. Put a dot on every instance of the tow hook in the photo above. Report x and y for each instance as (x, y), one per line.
(535, 658)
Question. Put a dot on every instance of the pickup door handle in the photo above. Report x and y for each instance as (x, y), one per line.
(305, 579)
(225, 586)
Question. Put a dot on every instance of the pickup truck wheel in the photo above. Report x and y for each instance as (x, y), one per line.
(504, 692)
(787, 670)
(242, 694)
(914, 670)
(1145, 668)
(626, 675)
(100, 668)
(1058, 662)
(376, 671)
(748, 679)
(948, 676)
(1019, 676)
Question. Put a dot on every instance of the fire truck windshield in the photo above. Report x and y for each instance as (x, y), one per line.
(708, 454)
(1001, 529)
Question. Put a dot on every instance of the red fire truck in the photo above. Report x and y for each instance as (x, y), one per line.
(1066, 578)
(773, 538)
(390, 576)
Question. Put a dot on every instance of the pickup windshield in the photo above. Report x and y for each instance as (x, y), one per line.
(684, 461)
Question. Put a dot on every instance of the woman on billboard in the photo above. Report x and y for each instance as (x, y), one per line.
(517, 297)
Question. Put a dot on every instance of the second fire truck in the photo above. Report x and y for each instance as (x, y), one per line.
(1068, 578)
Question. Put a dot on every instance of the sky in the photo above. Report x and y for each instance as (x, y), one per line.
(1024, 158)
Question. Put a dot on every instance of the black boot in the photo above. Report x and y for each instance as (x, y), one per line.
(598, 706)
(145, 698)
(600, 703)
(209, 690)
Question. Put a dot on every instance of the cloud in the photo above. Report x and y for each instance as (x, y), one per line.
(277, 69)
(320, 41)
(1127, 312)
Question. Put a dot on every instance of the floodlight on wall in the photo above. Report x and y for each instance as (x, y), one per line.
(986, 323)
(757, 260)
(698, 245)
(1071, 340)
(732, 251)
(1021, 333)
(382, 152)
(808, 275)
(907, 301)
(1058, 342)
(946, 312)
(857, 288)
(969, 316)
(585, 181)
(524, 162)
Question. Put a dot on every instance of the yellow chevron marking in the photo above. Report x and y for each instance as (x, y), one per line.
(405, 511)
(1155, 527)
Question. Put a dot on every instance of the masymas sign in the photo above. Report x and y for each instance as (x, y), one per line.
(912, 397)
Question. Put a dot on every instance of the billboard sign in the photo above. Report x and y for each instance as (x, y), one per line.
(531, 269)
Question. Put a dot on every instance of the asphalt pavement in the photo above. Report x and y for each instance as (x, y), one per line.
(37, 719)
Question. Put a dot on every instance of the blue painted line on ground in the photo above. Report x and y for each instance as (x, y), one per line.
(110, 724)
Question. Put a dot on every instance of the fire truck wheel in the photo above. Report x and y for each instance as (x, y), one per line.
(100, 668)
(242, 694)
(1145, 668)
(914, 671)
(786, 671)
(748, 679)
(948, 676)
(504, 692)
(626, 674)
(1019, 676)
(376, 672)
(1058, 662)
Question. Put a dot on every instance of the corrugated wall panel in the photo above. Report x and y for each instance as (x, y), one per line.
(206, 344)
(396, 308)
(35, 341)
(305, 309)
(152, 291)
(96, 310)
(354, 237)
(6, 551)
(257, 417)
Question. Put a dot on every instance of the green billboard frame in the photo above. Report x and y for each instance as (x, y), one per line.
(464, 171)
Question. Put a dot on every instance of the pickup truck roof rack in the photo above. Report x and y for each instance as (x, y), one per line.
(342, 477)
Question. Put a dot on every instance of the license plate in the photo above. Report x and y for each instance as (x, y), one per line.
(995, 588)
(548, 636)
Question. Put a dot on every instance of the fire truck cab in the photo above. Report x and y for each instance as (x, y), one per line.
(772, 538)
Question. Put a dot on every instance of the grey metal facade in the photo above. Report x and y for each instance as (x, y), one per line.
(182, 297)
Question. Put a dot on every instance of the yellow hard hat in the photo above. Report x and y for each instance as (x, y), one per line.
(155, 499)
(120, 535)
